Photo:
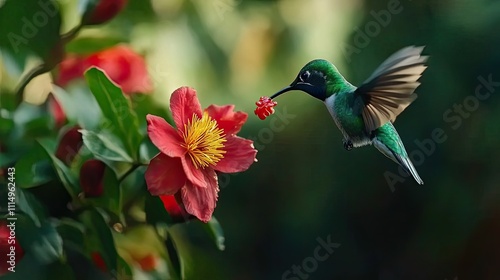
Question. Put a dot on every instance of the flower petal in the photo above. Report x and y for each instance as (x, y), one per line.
(183, 104)
(69, 69)
(193, 174)
(240, 154)
(227, 119)
(164, 136)
(164, 175)
(200, 202)
(124, 67)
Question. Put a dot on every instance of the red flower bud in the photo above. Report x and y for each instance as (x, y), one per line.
(98, 261)
(265, 107)
(104, 11)
(69, 145)
(10, 250)
(174, 209)
(91, 177)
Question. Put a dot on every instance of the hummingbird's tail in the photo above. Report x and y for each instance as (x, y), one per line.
(387, 141)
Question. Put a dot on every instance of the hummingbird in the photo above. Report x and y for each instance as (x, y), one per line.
(365, 114)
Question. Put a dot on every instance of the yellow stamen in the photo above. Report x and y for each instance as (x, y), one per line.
(204, 141)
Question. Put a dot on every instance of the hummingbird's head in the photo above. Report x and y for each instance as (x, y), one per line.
(315, 79)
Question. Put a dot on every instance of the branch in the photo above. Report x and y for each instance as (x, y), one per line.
(132, 169)
(44, 67)
(40, 69)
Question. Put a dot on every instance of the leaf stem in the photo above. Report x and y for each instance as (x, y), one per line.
(44, 67)
(38, 70)
(65, 38)
(128, 172)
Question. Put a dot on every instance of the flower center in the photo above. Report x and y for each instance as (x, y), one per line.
(204, 141)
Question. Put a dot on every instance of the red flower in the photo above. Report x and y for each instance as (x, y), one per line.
(91, 177)
(123, 66)
(265, 107)
(104, 11)
(72, 67)
(203, 143)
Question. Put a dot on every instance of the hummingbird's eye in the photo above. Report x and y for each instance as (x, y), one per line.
(304, 76)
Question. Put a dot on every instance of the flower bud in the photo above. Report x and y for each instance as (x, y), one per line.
(69, 145)
(91, 177)
(265, 107)
(103, 11)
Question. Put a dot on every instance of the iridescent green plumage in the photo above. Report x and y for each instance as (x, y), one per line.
(365, 114)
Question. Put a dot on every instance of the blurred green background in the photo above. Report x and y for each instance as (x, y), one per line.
(305, 186)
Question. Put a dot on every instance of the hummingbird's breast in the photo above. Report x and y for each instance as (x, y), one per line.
(349, 122)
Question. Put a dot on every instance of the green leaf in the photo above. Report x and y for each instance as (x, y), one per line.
(81, 264)
(193, 260)
(89, 45)
(30, 28)
(98, 237)
(43, 242)
(147, 150)
(29, 204)
(133, 185)
(122, 121)
(111, 198)
(59, 270)
(216, 233)
(184, 251)
(29, 267)
(37, 165)
(155, 211)
(67, 178)
(25, 119)
(72, 232)
(124, 271)
(144, 104)
(6, 125)
(79, 105)
(103, 147)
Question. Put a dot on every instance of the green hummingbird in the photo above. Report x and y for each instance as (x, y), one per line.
(365, 114)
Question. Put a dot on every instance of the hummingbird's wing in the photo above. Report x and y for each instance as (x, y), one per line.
(390, 89)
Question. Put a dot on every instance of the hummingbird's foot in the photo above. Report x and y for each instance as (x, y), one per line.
(348, 145)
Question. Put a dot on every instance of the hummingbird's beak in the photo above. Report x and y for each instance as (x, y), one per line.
(305, 87)
(288, 88)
